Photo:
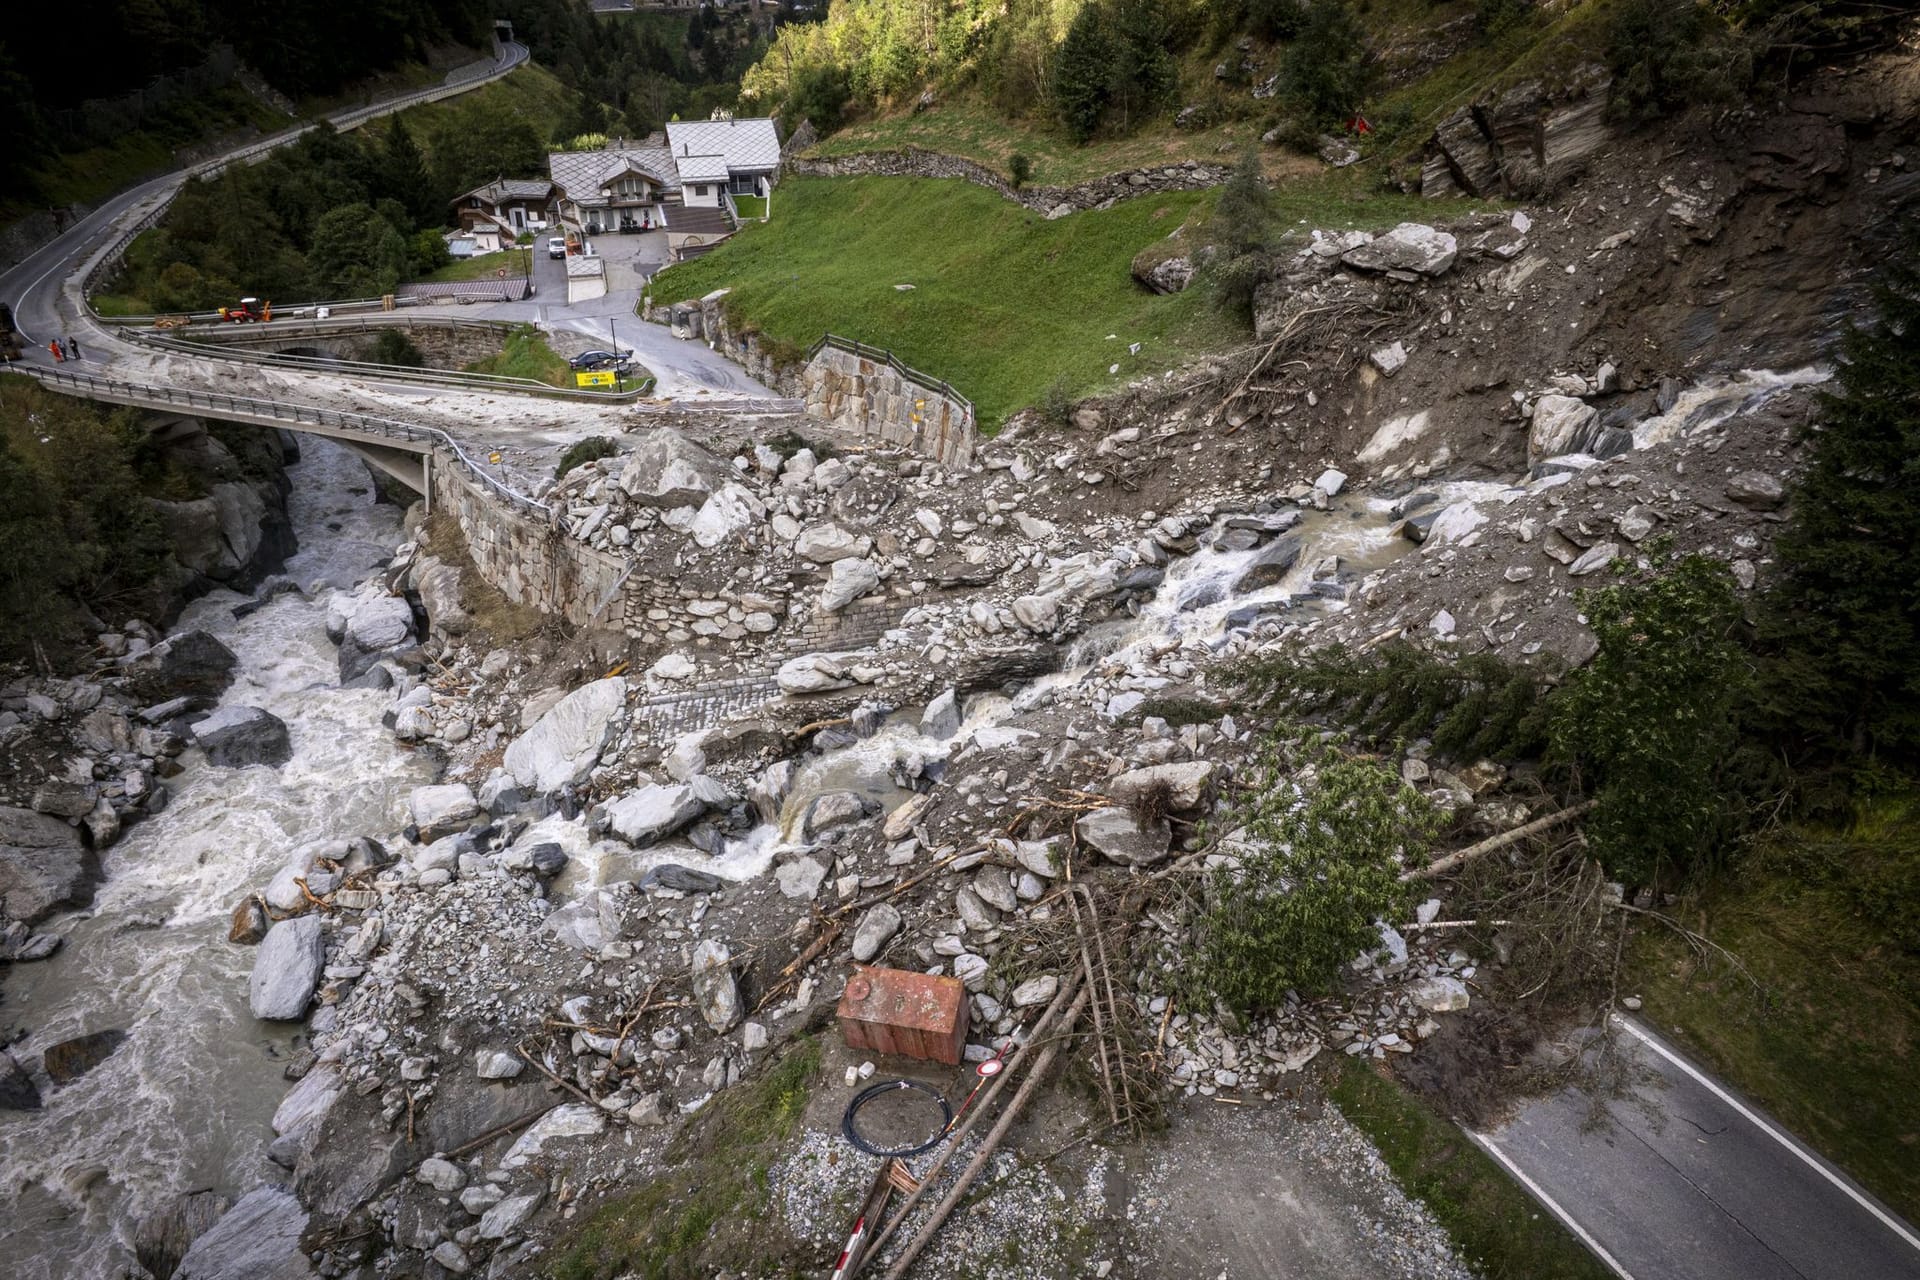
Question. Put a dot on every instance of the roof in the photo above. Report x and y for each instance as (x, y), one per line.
(747, 145)
(510, 189)
(701, 168)
(581, 173)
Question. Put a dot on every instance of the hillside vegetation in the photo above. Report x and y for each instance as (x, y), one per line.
(340, 215)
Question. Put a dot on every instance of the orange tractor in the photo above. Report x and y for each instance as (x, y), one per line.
(249, 311)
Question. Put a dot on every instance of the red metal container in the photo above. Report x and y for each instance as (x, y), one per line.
(917, 1015)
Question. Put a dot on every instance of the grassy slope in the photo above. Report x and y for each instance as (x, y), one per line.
(1831, 1043)
(527, 355)
(1493, 1223)
(717, 1170)
(1004, 301)
(486, 266)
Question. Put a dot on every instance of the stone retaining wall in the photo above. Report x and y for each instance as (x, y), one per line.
(529, 561)
(1054, 202)
(868, 397)
(538, 565)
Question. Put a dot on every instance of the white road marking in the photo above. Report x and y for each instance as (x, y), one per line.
(1892, 1223)
(1553, 1206)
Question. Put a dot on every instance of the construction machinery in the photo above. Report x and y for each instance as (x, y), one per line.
(249, 311)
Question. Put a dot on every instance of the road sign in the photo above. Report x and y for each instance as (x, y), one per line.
(596, 378)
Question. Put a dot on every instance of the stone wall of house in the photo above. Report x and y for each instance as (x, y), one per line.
(1054, 202)
(865, 396)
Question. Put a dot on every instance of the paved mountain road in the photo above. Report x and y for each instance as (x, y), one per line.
(1687, 1181)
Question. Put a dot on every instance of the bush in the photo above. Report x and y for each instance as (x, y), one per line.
(1327, 72)
(1667, 55)
(393, 347)
(1652, 722)
(592, 449)
(1496, 18)
(820, 94)
(1325, 838)
(1276, 19)
(1019, 169)
(1056, 405)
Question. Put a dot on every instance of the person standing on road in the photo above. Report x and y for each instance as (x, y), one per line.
(53, 345)
(73, 349)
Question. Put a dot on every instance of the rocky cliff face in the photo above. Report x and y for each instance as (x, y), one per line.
(237, 532)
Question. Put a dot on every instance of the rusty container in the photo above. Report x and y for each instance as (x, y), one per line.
(917, 1015)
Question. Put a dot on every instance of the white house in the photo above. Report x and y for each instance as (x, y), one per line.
(748, 150)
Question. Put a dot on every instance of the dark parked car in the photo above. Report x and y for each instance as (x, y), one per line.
(600, 359)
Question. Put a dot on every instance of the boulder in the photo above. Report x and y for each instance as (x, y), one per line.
(17, 1090)
(1120, 838)
(1270, 564)
(1169, 275)
(1037, 613)
(234, 737)
(831, 809)
(509, 1215)
(828, 543)
(1035, 991)
(588, 923)
(43, 865)
(565, 743)
(800, 879)
(714, 990)
(1757, 490)
(941, 718)
(874, 930)
(1594, 559)
(1561, 424)
(442, 810)
(729, 510)
(846, 582)
(286, 968)
(192, 662)
(1411, 246)
(257, 1239)
(1184, 785)
(70, 1059)
(65, 799)
(438, 585)
(1439, 995)
(668, 470)
(653, 813)
(671, 875)
(814, 673)
(380, 622)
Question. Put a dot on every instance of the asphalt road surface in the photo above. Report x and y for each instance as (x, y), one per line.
(1688, 1181)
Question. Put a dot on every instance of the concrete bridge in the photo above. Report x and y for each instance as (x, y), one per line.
(406, 451)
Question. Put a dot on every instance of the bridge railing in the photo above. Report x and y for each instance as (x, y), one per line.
(151, 396)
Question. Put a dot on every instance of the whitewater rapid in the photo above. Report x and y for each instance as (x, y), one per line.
(184, 1104)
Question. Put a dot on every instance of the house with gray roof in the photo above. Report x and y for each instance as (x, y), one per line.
(682, 183)
(499, 212)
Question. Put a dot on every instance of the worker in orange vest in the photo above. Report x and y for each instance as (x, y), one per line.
(53, 345)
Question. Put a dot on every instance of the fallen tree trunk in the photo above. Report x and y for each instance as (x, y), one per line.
(1494, 844)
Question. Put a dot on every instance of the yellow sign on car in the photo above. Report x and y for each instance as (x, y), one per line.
(596, 378)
